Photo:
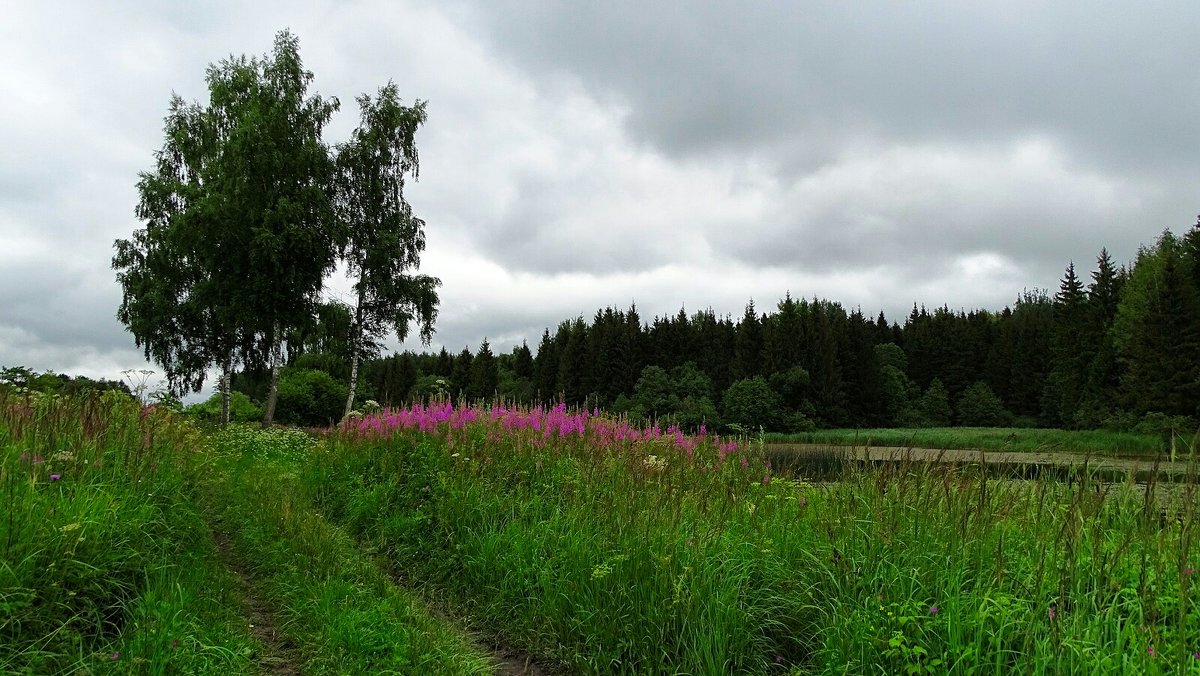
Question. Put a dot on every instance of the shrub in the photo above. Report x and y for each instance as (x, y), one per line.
(241, 409)
(309, 397)
(752, 403)
(980, 407)
(934, 405)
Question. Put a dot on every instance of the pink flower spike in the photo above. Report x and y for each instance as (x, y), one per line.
(116, 656)
(933, 610)
(1150, 651)
(1052, 613)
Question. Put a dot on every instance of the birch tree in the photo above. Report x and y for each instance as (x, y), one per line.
(239, 230)
(383, 238)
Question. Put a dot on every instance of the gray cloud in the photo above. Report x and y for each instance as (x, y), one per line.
(1111, 81)
(584, 155)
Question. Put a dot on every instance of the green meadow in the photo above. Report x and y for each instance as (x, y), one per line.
(434, 540)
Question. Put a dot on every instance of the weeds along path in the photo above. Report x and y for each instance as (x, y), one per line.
(106, 564)
(322, 605)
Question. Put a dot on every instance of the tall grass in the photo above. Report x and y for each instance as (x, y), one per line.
(1022, 439)
(105, 565)
(613, 554)
(334, 606)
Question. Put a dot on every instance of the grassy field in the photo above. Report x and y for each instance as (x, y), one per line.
(1032, 439)
(133, 543)
(130, 542)
(106, 564)
(605, 551)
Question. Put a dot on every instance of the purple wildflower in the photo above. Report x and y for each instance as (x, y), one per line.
(1052, 613)
(1150, 651)
(766, 479)
(933, 610)
(116, 656)
(55, 477)
(1188, 571)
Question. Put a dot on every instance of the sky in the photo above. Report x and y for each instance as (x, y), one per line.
(580, 155)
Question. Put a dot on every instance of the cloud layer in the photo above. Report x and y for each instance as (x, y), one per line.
(578, 156)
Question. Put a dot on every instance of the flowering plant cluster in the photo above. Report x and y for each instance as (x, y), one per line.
(542, 427)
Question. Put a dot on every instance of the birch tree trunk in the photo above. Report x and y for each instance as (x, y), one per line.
(226, 376)
(274, 392)
(355, 340)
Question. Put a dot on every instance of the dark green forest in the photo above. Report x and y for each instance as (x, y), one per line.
(1114, 347)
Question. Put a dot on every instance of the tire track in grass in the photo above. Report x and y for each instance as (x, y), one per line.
(279, 657)
(507, 660)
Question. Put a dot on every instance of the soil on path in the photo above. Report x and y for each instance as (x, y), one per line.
(279, 657)
(513, 664)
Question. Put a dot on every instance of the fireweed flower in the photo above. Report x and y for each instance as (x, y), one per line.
(1150, 651)
(933, 610)
(1052, 613)
(116, 656)
(55, 477)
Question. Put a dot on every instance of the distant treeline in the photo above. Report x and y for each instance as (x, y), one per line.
(1115, 347)
(24, 379)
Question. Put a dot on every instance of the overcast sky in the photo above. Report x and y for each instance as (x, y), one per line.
(586, 154)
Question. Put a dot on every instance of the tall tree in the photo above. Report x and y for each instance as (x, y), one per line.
(1162, 351)
(1071, 352)
(383, 239)
(237, 239)
(748, 345)
(275, 173)
(484, 376)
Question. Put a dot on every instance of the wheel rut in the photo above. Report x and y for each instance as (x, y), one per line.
(279, 656)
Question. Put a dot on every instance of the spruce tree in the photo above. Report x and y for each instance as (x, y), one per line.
(484, 375)
(1071, 352)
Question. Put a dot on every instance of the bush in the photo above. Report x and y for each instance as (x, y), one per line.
(980, 407)
(752, 403)
(1167, 427)
(241, 409)
(692, 413)
(309, 397)
(934, 405)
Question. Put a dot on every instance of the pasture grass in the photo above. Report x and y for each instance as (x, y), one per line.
(1017, 439)
(640, 558)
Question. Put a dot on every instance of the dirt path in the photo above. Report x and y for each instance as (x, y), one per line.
(279, 656)
(964, 456)
(510, 664)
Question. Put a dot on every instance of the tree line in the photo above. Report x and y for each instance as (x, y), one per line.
(1114, 347)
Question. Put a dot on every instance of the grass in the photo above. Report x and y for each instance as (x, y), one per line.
(105, 564)
(595, 547)
(334, 605)
(108, 562)
(1022, 439)
(608, 555)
